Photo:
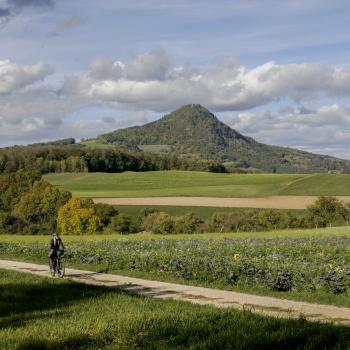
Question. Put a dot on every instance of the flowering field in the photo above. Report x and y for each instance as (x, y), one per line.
(303, 264)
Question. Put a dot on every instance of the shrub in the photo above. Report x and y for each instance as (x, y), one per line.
(105, 212)
(188, 223)
(122, 223)
(159, 223)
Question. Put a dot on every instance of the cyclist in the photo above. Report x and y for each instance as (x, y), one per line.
(56, 247)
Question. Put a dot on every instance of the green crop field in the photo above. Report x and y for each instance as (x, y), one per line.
(173, 183)
(46, 313)
(309, 265)
(186, 183)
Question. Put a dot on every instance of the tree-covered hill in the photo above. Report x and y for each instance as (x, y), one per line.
(194, 132)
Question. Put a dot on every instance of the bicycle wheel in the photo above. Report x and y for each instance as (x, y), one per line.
(60, 267)
(52, 268)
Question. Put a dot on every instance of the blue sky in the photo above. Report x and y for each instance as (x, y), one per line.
(274, 70)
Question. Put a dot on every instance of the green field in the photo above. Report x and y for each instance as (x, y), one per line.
(186, 183)
(45, 313)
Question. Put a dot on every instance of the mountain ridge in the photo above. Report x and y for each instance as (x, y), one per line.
(192, 131)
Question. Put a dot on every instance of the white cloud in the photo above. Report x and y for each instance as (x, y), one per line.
(30, 112)
(152, 82)
(324, 129)
(14, 76)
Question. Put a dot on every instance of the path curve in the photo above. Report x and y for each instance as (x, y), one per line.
(273, 202)
(198, 295)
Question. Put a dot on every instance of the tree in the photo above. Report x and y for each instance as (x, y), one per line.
(325, 211)
(40, 203)
(75, 218)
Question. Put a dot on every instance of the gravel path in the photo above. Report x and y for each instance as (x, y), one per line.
(198, 295)
(274, 202)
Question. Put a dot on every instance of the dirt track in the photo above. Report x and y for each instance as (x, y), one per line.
(274, 202)
(198, 295)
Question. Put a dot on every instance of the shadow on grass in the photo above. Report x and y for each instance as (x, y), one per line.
(27, 301)
(237, 330)
(156, 324)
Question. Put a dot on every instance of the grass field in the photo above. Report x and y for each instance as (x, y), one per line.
(185, 183)
(43, 313)
(172, 183)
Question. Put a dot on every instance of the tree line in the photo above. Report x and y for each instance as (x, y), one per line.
(325, 212)
(51, 158)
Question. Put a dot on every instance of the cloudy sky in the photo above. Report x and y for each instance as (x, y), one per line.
(278, 71)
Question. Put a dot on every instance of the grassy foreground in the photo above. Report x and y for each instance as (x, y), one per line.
(187, 183)
(43, 313)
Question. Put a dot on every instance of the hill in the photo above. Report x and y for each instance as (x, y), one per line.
(194, 132)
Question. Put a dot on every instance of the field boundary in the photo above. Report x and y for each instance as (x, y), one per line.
(273, 202)
(198, 295)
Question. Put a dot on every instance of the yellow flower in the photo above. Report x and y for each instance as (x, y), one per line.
(236, 256)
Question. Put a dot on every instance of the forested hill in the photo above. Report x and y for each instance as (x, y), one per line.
(193, 131)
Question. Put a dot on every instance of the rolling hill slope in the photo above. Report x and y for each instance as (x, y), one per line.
(194, 132)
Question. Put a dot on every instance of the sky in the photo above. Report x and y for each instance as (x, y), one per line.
(277, 71)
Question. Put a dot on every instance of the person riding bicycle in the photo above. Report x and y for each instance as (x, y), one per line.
(56, 247)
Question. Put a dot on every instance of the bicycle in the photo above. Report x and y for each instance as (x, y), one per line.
(56, 266)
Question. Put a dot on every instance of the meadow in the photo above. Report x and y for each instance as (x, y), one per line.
(312, 265)
(44, 313)
(191, 183)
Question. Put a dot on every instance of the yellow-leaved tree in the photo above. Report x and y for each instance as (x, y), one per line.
(77, 218)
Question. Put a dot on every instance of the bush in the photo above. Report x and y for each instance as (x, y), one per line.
(124, 224)
(159, 222)
(188, 223)
(105, 212)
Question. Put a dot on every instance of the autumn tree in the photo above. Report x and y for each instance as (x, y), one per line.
(76, 217)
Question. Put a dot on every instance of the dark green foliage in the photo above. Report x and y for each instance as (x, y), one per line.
(105, 212)
(193, 132)
(80, 158)
(62, 142)
(13, 185)
(123, 224)
(282, 281)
